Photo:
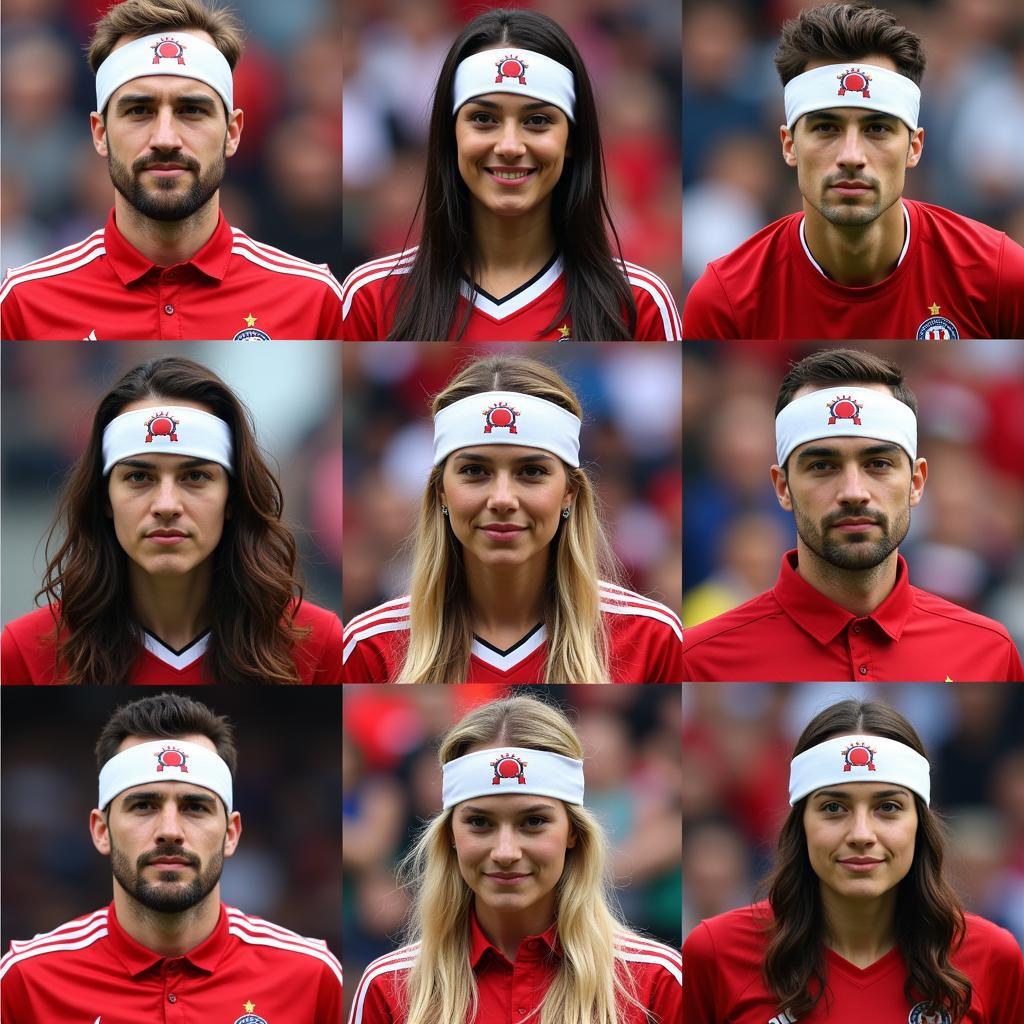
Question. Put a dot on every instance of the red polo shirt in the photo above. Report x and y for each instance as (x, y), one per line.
(233, 288)
(510, 992)
(246, 972)
(793, 633)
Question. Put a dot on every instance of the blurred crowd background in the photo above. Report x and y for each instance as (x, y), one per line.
(391, 785)
(966, 539)
(738, 740)
(393, 51)
(50, 392)
(286, 789)
(631, 444)
(283, 186)
(972, 110)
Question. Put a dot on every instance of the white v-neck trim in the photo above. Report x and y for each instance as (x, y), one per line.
(817, 265)
(514, 656)
(176, 659)
(515, 303)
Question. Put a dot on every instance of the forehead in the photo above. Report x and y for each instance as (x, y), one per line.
(509, 806)
(877, 59)
(845, 447)
(808, 389)
(159, 403)
(506, 104)
(862, 790)
(197, 738)
(502, 454)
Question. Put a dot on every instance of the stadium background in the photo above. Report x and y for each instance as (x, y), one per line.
(972, 110)
(50, 392)
(738, 739)
(631, 442)
(393, 50)
(391, 786)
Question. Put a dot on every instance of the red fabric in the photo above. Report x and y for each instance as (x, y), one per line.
(116, 293)
(724, 983)
(767, 288)
(113, 979)
(793, 633)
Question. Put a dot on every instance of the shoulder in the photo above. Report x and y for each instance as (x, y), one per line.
(60, 263)
(278, 263)
(34, 625)
(649, 957)
(652, 294)
(53, 948)
(381, 982)
(965, 619)
(768, 244)
(322, 620)
(750, 613)
(625, 609)
(378, 628)
(737, 933)
(947, 227)
(27, 651)
(995, 944)
(366, 276)
(280, 943)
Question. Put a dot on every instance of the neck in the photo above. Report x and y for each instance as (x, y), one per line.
(860, 931)
(166, 242)
(507, 931)
(506, 602)
(174, 608)
(512, 248)
(169, 935)
(856, 256)
(859, 591)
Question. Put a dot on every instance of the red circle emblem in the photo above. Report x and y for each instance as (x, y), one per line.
(854, 82)
(508, 768)
(859, 757)
(172, 758)
(168, 49)
(502, 418)
(161, 426)
(511, 68)
(841, 410)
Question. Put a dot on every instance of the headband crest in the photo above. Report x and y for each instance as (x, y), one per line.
(861, 86)
(512, 771)
(516, 71)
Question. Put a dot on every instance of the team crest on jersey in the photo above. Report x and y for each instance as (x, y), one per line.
(168, 49)
(250, 1018)
(938, 328)
(922, 1013)
(251, 334)
(843, 407)
(859, 755)
(501, 415)
(854, 80)
(172, 757)
(508, 766)
(511, 67)
(162, 425)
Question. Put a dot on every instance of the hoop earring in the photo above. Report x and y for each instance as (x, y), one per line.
(565, 513)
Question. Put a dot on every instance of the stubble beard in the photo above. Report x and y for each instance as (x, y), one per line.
(856, 552)
(166, 896)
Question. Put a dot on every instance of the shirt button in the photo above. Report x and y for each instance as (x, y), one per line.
(169, 309)
(863, 670)
(172, 998)
(522, 1009)
(856, 629)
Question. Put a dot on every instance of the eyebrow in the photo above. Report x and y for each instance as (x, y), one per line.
(157, 797)
(141, 98)
(875, 115)
(878, 795)
(824, 452)
(475, 457)
(527, 106)
(143, 464)
(528, 810)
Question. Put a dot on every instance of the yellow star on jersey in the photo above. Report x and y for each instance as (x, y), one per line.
(564, 331)
(250, 321)
(249, 1006)
(947, 680)
(933, 309)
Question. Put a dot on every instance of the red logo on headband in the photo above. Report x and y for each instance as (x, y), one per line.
(501, 414)
(859, 755)
(172, 757)
(508, 766)
(511, 67)
(168, 49)
(844, 408)
(854, 80)
(162, 425)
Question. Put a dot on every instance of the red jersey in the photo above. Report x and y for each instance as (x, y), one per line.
(233, 288)
(27, 655)
(793, 633)
(370, 297)
(957, 279)
(247, 971)
(645, 641)
(724, 957)
(510, 992)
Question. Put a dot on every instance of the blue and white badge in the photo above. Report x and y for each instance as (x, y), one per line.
(938, 328)
(923, 1014)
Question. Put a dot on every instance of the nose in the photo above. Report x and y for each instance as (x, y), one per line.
(506, 850)
(851, 151)
(164, 135)
(168, 824)
(166, 499)
(509, 144)
(862, 832)
(852, 488)
(502, 493)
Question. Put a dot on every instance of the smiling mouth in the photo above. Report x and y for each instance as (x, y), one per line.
(509, 175)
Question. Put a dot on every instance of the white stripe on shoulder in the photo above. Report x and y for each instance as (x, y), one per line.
(648, 952)
(247, 250)
(236, 916)
(28, 274)
(67, 253)
(662, 296)
(619, 601)
(398, 604)
(303, 948)
(366, 632)
(69, 928)
(59, 944)
(280, 254)
(400, 960)
(397, 263)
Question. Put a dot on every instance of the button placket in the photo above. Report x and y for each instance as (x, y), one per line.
(859, 648)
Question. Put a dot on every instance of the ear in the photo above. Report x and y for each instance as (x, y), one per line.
(788, 145)
(916, 147)
(235, 124)
(781, 485)
(917, 480)
(99, 133)
(233, 834)
(99, 831)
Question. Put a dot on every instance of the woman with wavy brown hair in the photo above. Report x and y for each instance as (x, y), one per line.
(172, 564)
(860, 922)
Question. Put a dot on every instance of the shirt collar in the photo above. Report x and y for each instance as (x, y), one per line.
(824, 619)
(480, 944)
(137, 958)
(130, 265)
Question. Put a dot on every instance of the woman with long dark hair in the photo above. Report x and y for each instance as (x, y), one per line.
(172, 564)
(860, 922)
(514, 244)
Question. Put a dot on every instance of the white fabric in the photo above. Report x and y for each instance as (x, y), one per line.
(859, 758)
(513, 771)
(863, 86)
(515, 71)
(507, 417)
(187, 56)
(842, 411)
(165, 761)
(167, 430)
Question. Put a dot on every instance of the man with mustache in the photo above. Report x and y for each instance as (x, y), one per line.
(167, 264)
(843, 607)
(166, 948)
(859, 261)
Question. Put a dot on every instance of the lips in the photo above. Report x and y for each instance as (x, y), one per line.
(503, 528)
(166, 533)
(510, 173)
(506, 875)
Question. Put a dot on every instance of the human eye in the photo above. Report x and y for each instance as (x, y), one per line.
(138, 110)
(476, 821)
(472, 469)
(198, 476)
(822, 127)
(880, 128)
(534, 471)
(193, 110)
(880, 464)
(140, 805)
(536, 821)
(481, 117)
(890, 807)
(135, 476)
(819, 466)
(832, 807)
(538, 121)
(197, 806)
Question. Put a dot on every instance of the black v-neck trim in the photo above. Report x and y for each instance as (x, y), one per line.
(512, 294)
(168, 647)
(514, 647)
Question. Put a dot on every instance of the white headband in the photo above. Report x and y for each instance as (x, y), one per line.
(507, 417)
(165, 761)
(167, 430)
(511, 70)
(859, 758)
(171, 53)
(864, 86)
(512, 771)
(845, 412)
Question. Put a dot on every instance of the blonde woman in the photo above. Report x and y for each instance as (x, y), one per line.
(510, 903)
(510, 559)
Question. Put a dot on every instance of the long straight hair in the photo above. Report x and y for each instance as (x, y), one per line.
(254, 583)
(929, 918)
(440, 617)
(588, 988)
(596, 290)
